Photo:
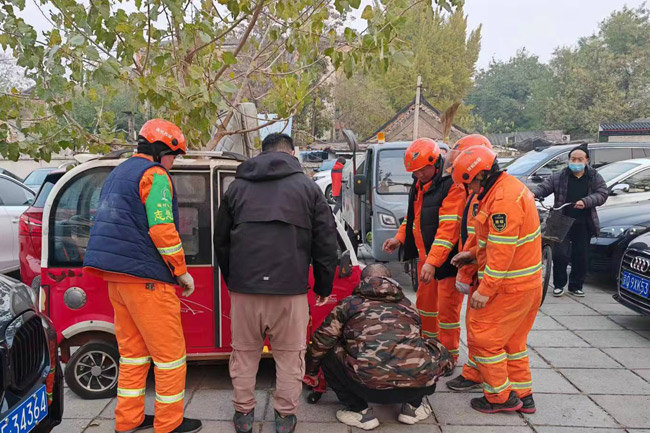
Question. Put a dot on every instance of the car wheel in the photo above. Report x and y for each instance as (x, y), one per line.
(328, 195)
(92, 370)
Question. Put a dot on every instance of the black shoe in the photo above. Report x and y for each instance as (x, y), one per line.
(529, 405)
(147, 423)
(462, 385)
(244, 421)
(188, 426)
(482, 404)
(579, 293)
(285, 424)
(558, 291)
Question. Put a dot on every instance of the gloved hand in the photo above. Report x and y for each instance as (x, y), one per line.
(310, 381)
(462, 287)
(187, 283)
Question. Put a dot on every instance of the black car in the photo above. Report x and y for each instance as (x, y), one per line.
(31, 380)
(533, 167)
(634, 277)
(620, 224)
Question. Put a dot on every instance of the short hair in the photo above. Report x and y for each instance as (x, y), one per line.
(582, 147)
(277, 142)
(340, 159)
(375, 270)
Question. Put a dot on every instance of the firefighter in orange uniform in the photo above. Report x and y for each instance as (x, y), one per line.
(430, 233)
(504, 307)
(135, 246)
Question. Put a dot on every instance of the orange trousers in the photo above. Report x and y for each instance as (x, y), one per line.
(497, 336)
(470, 369)
(148, 327)
(439, 304)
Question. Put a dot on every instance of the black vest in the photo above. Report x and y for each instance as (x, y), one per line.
(431, 204)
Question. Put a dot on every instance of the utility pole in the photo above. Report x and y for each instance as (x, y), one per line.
(416, 121)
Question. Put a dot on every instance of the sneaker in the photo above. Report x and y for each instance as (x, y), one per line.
(147, 423)
(529, 405)
(412, 415)
(244, 421)
(482, 404)
(579, 293)
(558, 291)
(461, 384)
(364, 420)
(188, 426)
(285, 424)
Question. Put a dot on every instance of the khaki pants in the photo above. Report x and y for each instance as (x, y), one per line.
(284, 319)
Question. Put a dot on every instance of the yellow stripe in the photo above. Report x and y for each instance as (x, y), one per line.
(135, 361)
(444, 325)
(529, 238)
(430, 334)
(471, 230)
(490, 359)
(168, 251)
(498, 389)
(130, 393)
(518, 355)
(171, 365)
(454, 351)
(516, 273)
(521, 385)
(481, 243)
(502, 240)
(449, 218)
(428, 314)
(443, 243)
(169, 399)
(472, 364)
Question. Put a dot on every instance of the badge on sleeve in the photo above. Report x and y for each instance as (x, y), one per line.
(499, 222)
(475, 209)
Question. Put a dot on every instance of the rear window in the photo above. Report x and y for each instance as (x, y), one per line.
(525, 164)
(44, 192)
(36, 177)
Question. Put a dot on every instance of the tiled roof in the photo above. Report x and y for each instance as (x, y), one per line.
(626, 127)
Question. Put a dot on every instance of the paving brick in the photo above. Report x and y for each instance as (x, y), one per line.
(538, 339)
(547, 323)
(302, 427)
(613, 309)
(322, 412)
(597, 298)
(76, 407)
(644, 334)
(631, 358)
(454, 409)
(607, 381)
(644, 373)
(630, 411)
(216, 405)
(397, 428)
(493, 429)
(578, 430)
(569, 410)
(614, 339)
(102, 426)
(567, 309)
(536, 361)
(588, 323)
(577, 357)
(637, 323)
(71, 426)
(546, 380)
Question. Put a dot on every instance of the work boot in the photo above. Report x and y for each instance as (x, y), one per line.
(188, 426)
(244, 421)
(413, 415)
(482, 404)
(364, 420)
(285, 424)
(529, 404)
(461, 384)
(147, 423)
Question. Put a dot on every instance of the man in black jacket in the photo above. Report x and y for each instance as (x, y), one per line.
(272, 223)
(583, 185)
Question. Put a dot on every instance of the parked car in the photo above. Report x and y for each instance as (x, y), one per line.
(14, 199)
(35, 179)
(634, 277)
(10, 174)
(30, 230)
(533, 167)
(620, 224)
(323, 178)
(31, 379)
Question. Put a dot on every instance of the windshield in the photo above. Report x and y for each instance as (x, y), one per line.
(614, 170)
(526, 163)
(392, 177)
(327, 165)
(37, 177)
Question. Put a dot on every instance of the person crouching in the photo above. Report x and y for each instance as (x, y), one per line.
(371, 350)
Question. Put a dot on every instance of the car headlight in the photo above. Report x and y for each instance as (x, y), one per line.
(620, 231)
(387, 220)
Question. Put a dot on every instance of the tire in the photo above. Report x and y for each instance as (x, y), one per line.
(91, 383)
(328, 195)
(547, 267)
(314, 397)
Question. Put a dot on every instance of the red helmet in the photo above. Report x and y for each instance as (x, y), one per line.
(165, 132)
(422, 152)
(463, 144)
(471, 162)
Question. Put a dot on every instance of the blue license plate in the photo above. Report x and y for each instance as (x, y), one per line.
(635, 284)
(29, 413)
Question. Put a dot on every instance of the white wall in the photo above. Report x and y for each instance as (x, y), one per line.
(25, 166)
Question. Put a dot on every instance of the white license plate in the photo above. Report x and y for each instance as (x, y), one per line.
(29, 413)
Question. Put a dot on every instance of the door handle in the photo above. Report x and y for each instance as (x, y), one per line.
(15, 220)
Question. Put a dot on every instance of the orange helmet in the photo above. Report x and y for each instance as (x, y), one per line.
(422, 152)
(165, 132)
(471, 162)
(462, 144)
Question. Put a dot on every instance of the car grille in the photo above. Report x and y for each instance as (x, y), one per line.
(626, 264)
(28, 352)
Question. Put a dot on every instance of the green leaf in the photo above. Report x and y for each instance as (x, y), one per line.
(403, 58)
(350, 35)
(367, 13)
(227, 86)
(355, 3)
(76, 40)
(228, 58)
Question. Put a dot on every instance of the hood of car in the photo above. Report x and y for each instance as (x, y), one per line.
(641, 243)
(631, 214)
(15, 299)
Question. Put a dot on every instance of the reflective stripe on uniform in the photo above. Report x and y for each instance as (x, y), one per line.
(481, 243)
(480, 275)
(430, 334)
(442, 218)
(472, 363)
(130, 393)
(502, 240)
(443, 243)
(454, 351)
(529, 238)
(428, 313)
(522, 385)
(471, 230)
(135, 361)
(491, 359)
(488, 388)
(518, 355)
(444, 325)
(170, 365)
(169, 399)
(168, 251)
(516, 273)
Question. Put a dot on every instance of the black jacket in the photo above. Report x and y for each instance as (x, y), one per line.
(272, 223)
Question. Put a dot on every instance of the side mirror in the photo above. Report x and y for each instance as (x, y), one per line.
(536, 179)
(618, 188)
(539, 175)
(360, 184)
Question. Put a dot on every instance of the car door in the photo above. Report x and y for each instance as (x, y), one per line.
(15, 199)
(632, 189)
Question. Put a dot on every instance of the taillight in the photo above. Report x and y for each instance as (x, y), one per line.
(23, 225)
(31, 223)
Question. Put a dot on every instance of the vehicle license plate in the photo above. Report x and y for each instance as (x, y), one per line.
(635, 284)
(29, 413)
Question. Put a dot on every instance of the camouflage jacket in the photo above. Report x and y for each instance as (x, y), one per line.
(376, 334)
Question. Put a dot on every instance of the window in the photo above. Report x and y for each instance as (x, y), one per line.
(607, 156)
(392, 177)
(12, 194)
(616, 169)
(192, 191)
(523, 165)
(558, 163)
(640, 153)
(640, 182)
